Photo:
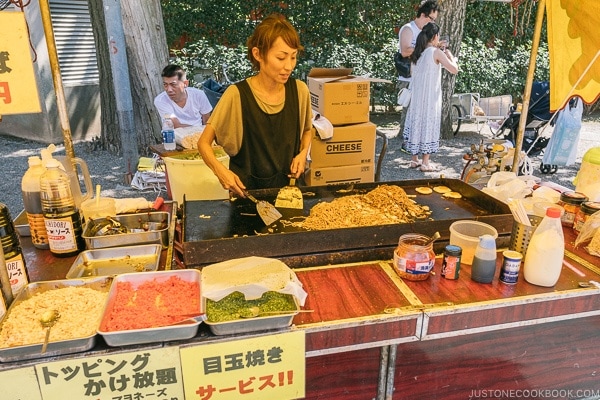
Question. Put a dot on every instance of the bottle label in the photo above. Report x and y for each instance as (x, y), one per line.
(16, 273)
(168, 136)
(61, 235)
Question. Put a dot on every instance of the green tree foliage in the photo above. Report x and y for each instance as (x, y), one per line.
(494, 55)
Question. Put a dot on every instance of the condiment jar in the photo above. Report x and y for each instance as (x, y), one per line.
(414, 257)
(587, 208)
(484, 262)
(571, 201)
(451, 262)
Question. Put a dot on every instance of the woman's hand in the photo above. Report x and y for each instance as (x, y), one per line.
(230, 181)
(298, 165)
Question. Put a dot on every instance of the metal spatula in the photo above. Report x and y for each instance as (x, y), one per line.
(267, 212)
(290, 196)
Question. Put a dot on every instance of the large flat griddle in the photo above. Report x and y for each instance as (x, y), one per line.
(218, 230)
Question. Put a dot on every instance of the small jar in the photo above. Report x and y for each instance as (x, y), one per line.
(414, 258)
(571, 202)
(587, 208)
(451, 263)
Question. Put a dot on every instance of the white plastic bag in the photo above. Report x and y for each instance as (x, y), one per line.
(505, 185)
(562, 146)
(404, 96)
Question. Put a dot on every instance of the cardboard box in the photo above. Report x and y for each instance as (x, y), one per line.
(321, 176)
(350, 145)
(340, 97)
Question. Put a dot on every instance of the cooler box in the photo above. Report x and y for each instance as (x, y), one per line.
(587, 180)
(188, 174)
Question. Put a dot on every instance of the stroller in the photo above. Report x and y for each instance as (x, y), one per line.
(214, 90)
(538, 117)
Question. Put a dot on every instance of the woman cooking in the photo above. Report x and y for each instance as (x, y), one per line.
(264, 121)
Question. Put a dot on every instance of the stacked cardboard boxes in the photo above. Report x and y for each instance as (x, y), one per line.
(349, 156)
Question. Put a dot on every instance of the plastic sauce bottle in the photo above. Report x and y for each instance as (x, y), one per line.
(168, 133)
(14, 263)
(6, 296)
(546, 250)
(61, 216)
(32, 200)
(483, 268)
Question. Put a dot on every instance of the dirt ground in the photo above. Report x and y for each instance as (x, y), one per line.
(449, 160)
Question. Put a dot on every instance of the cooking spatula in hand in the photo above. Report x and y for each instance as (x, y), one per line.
(267, 212)
(290, 196)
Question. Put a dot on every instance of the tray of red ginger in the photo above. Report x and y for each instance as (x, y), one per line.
(157, 306)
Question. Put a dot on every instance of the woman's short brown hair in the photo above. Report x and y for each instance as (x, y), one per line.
(265, 34)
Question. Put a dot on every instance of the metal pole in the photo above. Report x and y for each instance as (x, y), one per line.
(122, 87)
(57, 78)
(529, 83)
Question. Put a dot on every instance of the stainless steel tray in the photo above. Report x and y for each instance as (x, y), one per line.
(55, 348)
(116, 260)
(149, 335)
(21, 224)
(132, 222)
(246, 325)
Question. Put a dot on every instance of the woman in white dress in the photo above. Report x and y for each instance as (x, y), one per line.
(423, 119)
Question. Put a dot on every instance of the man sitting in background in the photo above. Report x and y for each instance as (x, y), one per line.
(187, 106)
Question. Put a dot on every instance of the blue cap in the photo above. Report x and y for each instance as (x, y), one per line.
(487, 242)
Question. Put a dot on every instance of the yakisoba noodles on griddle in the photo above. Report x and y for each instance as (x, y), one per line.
(386, 204)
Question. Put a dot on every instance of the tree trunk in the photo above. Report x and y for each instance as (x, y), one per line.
(451, 24)
(147, 54)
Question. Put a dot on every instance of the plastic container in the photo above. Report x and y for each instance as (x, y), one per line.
(189, 175)
(466, 233)
(168, 134)
(98, 208)
(414, 258)
(544, 257)
(587, 208)
(61, 216)
(571, 202)
(32, 200)
(484, 260)
(587, 180)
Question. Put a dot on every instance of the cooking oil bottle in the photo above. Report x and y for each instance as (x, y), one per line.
(61, 216)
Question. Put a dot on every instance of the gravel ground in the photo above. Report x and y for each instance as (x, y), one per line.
(106, 168)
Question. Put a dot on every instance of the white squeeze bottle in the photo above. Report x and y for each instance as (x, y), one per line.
(546, 250)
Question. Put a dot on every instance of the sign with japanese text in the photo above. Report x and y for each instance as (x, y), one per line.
(147, 374)
(258, 368)
(18, 89)
(19, 384)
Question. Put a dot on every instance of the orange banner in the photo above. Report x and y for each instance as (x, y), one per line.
(574, 46)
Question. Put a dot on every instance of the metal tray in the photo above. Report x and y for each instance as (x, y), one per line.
(132, 222)
(55, 348)
(246, 325)
(116, 260)
(149, 335)
(229, 229)
(21, 224)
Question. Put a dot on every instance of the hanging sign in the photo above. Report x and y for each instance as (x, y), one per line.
(18, 89)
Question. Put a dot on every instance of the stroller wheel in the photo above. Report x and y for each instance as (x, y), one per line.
(548, 169)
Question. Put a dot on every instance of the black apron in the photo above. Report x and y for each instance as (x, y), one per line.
(269, 141)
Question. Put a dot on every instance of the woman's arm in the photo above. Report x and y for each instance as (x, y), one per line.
(447, 60)
(228, 179)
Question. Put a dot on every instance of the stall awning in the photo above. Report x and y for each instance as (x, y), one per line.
(574, 46)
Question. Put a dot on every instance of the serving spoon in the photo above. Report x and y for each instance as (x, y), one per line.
(48, 320)
(254, 312)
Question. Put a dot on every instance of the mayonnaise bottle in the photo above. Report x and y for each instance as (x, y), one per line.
(546, 250)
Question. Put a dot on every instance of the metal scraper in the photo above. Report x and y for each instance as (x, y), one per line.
(290, 196)
(267, 212)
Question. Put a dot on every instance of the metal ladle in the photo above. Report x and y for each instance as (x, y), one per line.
(432, 239)
(48, 320)
(254, 312)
